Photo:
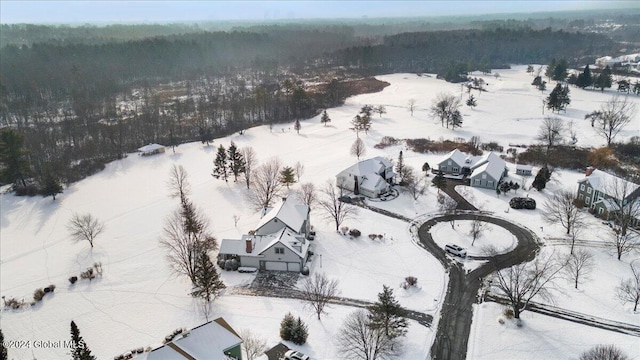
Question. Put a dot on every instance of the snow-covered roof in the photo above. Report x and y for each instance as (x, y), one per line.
(206, 341)
(492, 164)
(609, 184)
(524, 167)
(290, 211)
(486, 158)
(457, 156)
(260, 243)
(376, 165)
(608, 203)
(150, 147)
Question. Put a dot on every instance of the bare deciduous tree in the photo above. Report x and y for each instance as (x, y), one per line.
(477, 228)
(550, 134)
(621, 241)
(84, 227)
(521, 283)
(265, 183)
(561, 209)
(604, 352)
(625, 207)
(578, 266)
(250, 162)
(336, 210)
(299, 169)
(308, 194)
(318, 290)
(178, 182)
(413, 182)
(445, 107)
(358, 340)
(412, 105)
(252, 344)
(629, 289)
(358, 149)
(612, 117)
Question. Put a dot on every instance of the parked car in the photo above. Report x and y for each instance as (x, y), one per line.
(295, 355)
(455, 250)
(345, 199)
(522, 203)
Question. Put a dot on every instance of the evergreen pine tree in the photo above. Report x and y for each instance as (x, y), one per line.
(300, 332)
(471, 102)
(287, 176)
(605, 79)
(79, 349)
(559, 98)
(439, 181)
(550, 69)
(560, 70)
(387, 314)
(235, 161)
(584, 79)
(207, 284)
(426, 167)
(297, 126)
(400, 168)
(455, 119)
(325, 118)
(220, 164)
(3, 349)
(542, 178)
(13, 157)
(287, 325)
(51, 185)
(537, 81)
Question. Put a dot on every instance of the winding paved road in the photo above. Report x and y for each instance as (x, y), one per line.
(456, 315)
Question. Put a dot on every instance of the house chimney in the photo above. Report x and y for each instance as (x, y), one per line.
(249, 245)
(589, 171)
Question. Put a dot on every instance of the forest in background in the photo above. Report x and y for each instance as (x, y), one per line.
(76, 98)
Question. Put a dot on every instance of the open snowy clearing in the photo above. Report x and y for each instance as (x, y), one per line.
(138, 301)
(491, 235)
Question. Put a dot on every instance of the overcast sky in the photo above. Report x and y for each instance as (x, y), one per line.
(114, 11)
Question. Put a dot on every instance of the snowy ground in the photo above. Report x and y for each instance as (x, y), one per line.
(138, 301)
(491, 235)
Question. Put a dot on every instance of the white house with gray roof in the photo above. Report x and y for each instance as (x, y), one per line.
(279, 243)
(372, 177)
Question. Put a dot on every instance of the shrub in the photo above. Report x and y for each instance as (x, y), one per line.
(501, 321)
(411, 280)
(13, 303)
(380, 236)
(38, 294)
(508, 313)
(305, 271)
(88, 274)
(386, 141)
(579, 203)
(73, 279)
(373, 236)
(492, 146)
(228, 266)
(221, 263)
(355, 233)
(49, 288)
(344, 230)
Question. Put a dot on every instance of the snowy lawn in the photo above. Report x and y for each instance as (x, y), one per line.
(540, 338)
(491, 235)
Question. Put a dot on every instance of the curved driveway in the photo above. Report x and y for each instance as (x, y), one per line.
(455, 320)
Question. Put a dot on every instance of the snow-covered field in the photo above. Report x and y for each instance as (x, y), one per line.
(138, 301)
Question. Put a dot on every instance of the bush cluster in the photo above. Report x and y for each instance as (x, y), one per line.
(409, 281)
(355, 233)
(293, 330)
(386, 141)
(376, 236)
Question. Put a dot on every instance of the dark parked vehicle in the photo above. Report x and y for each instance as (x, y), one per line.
(522, 203)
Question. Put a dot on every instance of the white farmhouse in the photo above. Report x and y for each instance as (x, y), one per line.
(372, 177)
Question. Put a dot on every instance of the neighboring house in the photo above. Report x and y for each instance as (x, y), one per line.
(483, 171)
(603, 193)
(280, 242)
(372, 177)
(524, 170)
(488, 171)
(213, 340)
(151, 149)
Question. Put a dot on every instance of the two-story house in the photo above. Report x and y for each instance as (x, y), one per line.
(483, 171)
(372, 177)
(605, 193)
(279, 243)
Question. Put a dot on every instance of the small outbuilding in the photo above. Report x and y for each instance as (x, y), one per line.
(151, 149)
(524, 170)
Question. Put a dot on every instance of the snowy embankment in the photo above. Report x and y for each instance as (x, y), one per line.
(138, 300)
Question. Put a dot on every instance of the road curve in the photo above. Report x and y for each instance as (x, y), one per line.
(455, 320)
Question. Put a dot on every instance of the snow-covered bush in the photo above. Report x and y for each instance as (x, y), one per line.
(73, 279)
(411, 280)
(355, 233)
(13, 303)
(49, 288)
(508, 313)
(38, 294)
(344, 230)
(305, 271)
(88, 274)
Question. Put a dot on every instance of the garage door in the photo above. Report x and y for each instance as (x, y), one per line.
(293, 267)
(276, 266)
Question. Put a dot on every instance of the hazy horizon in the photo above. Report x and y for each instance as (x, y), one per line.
(105, 12)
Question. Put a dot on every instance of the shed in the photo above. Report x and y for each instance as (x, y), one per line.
(524, 170)
(151, 149)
